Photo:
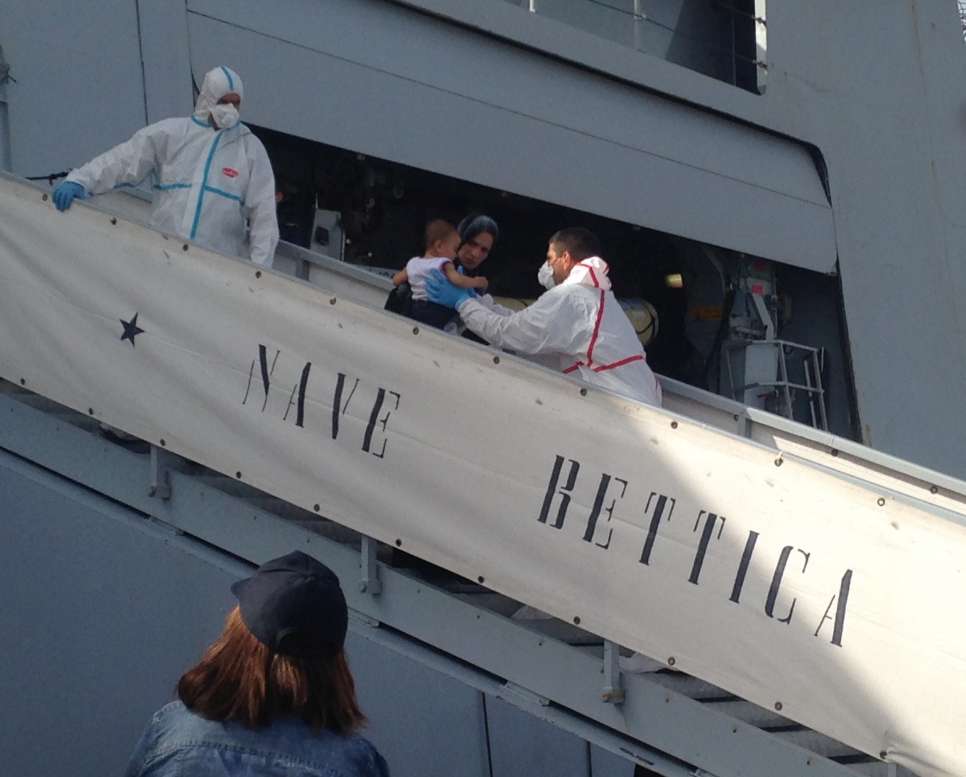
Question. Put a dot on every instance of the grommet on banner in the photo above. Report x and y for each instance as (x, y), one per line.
(671, 661)
(184, 247)
(674, 424)
(332, 301)
(113, 221)
(238, 475)
(415, 330)
(496, 359)
(583, 392)
(44, 198)
(778, 461)
(880, 501)
(258, 273)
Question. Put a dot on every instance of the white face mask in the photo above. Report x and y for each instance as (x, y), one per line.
(545, 276)
(225, 115)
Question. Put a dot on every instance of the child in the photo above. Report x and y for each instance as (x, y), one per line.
(442, 243)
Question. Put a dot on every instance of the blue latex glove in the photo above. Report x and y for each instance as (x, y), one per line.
(442, 292)
(66, 192)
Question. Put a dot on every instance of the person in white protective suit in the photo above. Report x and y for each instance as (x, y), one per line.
(577, 324)
(211, 174)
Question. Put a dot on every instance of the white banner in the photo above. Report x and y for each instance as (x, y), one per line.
(797, 588)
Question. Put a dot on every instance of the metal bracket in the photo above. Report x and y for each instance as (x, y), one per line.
(370, 582)
(159, 485)
(613, 691)
(517, 694)
(361, 618)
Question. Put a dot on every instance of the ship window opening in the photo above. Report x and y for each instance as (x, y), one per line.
(760, 331)
(724, 39)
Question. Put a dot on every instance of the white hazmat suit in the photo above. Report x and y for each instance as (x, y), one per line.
(207, 181)
(579, 325)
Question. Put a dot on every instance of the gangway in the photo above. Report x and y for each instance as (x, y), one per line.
(722, 698)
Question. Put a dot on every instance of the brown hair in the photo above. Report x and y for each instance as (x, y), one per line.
(437, 230)
(580, 242)
(242, 680)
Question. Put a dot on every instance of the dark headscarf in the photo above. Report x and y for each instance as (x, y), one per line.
(477, 224)
(473, 225)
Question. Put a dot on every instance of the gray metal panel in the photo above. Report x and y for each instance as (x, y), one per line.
(167, 70)
(79, 87)
(102, 612)
(605, 764)
(520, 744)
(407, 87)
(423, 722)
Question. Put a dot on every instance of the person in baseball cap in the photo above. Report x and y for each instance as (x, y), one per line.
(274, 688)
(294, 606)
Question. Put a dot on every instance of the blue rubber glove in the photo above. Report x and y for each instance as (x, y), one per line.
(442, 292)
(66, 192)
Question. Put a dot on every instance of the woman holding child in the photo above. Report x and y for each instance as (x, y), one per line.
(458, 253)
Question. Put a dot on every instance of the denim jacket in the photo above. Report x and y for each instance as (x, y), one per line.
(177, 742)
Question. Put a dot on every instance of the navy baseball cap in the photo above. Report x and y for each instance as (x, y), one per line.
(294, 605)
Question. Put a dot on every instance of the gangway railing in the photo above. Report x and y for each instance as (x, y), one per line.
(767, 572)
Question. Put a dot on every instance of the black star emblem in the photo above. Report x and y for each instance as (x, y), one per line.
(131, 329)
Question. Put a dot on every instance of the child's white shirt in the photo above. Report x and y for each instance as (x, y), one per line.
(418, 269)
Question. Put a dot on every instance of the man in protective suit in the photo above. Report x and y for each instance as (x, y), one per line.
(577, 324)
(211, 174)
